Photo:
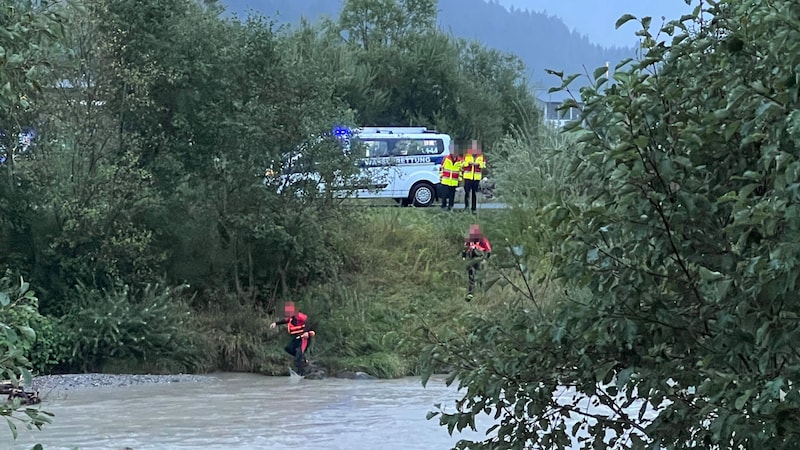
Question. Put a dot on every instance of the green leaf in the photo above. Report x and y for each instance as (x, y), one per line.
(721, 289)
(27, 377)
(13, 427)
(603, 373)
(731, 128)
(4, 299)
(623, 20)
(27, 332)
(568, 80)
(709, 275)
(622, 63)
(762, 334)
(14, 59)
(623, 377)
(742, 399)
(559, 74)
(752, 137)
(767, 106)
(10, 335)
(600, 72)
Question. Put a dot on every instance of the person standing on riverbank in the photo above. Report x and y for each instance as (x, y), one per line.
(301, 333)
(472, 167)
(478, 249)
(449, 176)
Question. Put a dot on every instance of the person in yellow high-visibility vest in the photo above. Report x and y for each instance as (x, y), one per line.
(472, 167)
(449, 176)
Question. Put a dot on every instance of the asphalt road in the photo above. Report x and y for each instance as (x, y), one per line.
(492, 205)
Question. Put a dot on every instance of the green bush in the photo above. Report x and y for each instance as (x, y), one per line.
(148, 325)
(46, 346)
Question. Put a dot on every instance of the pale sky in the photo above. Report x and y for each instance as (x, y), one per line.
(596, 18)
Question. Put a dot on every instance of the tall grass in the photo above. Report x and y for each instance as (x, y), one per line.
(535, 179)
(410, 277)
(538, 170)
(240, 338)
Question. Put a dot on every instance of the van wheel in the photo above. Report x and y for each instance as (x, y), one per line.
(423, 195)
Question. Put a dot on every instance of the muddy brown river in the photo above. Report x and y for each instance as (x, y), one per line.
(245, 411)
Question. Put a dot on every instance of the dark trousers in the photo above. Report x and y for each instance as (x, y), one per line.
(295, 348)
(472, 269)
(448, 195)
(471, 188)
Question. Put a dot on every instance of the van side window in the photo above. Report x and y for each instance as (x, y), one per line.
(375, 148)
(379, 148)
(431, 147)
(414, 147)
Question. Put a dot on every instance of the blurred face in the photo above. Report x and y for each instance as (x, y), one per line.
(288, 309)
(474, 232)
(474, 150)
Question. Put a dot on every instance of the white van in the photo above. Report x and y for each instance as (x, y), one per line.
(401, 163)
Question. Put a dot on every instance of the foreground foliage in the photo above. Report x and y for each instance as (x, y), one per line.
(679, 267)
(18, 315)
(27, 30)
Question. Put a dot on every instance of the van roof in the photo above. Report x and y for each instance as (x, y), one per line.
(396, 130)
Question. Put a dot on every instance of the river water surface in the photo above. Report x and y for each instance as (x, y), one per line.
(246, 411)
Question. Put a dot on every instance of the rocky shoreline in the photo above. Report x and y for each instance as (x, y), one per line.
(43, 384)
(48, 383)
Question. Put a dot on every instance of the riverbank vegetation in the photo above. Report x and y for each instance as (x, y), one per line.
(140, 213)
(136, 205)
(647, 258)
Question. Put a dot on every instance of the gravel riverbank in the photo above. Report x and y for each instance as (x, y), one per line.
(47, 383)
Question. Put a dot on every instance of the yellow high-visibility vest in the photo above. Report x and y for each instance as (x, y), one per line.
(472, 172)
(450, 171)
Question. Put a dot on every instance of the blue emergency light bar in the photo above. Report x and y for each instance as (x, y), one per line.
(342, 132)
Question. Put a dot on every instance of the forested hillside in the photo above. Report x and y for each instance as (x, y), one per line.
(541, 41)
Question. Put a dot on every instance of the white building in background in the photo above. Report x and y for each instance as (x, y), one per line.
(549, 104)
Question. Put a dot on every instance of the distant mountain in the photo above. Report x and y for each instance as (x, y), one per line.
(541, 41)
